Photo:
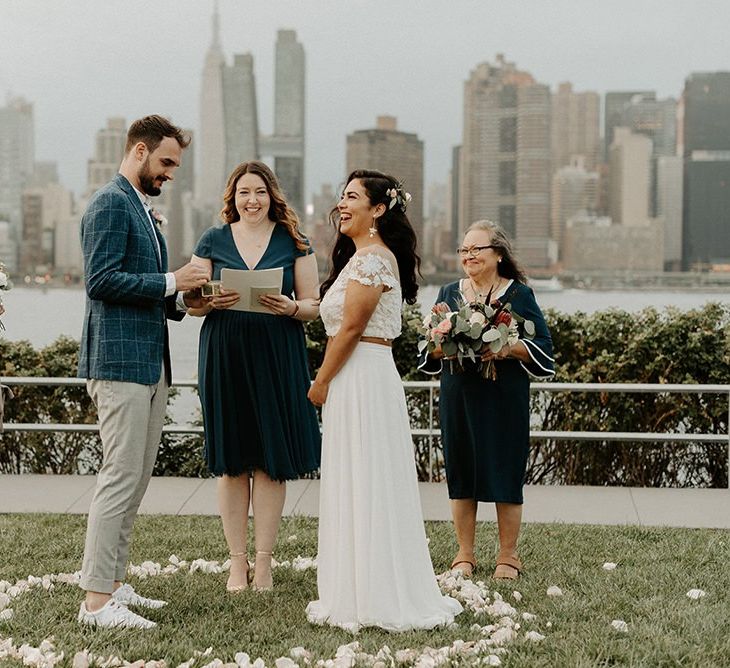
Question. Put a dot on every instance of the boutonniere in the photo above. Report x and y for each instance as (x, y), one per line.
(160, 219)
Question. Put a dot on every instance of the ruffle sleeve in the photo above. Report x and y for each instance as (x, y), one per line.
(540, 347)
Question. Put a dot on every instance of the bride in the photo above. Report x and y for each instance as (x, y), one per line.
(374, 568)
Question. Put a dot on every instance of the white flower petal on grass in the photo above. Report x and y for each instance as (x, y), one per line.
(215, 663)
(609, 566)
(534, 636)
(4, 600)
(517, 596)
(491, 660)
(528, 616)
(300, 563)
(292, 538)
(620, 625)
(299, 653)
(6, 615)
(554, 590)
(694, 594)
(242, 659)
(81, 659)
(285, 662)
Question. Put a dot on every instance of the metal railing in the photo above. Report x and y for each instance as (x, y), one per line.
(431, 431)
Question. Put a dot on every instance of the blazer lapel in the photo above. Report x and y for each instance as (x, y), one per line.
(144, 218)
(163, 248)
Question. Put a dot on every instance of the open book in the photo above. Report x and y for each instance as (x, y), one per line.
(251, 284)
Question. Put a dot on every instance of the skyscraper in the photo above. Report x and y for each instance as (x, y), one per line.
(108, 153)
(177, 197)
(705, 145)
(229, 124)
(17, 159)
(613, 115)
(574, 189)
(240, 113)
(630, 177)
(575, 124)
(400, 154)
(669, 207)
(289, 117)
(505, 166)
(656, 119)
(454, 190)
(211, 177)
(44, 210)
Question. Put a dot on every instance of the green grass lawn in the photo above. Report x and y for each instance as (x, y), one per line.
(656, 568)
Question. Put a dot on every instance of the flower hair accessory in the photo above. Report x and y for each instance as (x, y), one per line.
(398, 196)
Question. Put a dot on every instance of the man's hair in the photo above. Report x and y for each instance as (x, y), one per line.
(152, 130)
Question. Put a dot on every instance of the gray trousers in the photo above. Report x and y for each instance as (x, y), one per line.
(130, 422)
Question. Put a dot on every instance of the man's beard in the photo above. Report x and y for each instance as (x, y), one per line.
(147, 181)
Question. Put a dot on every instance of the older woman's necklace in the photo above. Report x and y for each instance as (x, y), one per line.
(484, 295)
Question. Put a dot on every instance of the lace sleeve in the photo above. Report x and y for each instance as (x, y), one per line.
(372, 269)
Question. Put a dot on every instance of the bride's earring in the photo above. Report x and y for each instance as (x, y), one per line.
(373, 230)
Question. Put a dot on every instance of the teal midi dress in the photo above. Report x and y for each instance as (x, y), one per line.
(253, 374)
(485, 424)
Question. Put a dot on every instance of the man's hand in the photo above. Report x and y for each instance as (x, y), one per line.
(191, 276)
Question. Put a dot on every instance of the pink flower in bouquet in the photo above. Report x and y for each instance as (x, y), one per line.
(444, 327)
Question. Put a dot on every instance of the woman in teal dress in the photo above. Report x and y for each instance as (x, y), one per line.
(253, 376)
(485, 423)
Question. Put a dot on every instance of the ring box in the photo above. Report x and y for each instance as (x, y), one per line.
(211, 289)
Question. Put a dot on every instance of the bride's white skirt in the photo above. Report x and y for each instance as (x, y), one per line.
(374, 568)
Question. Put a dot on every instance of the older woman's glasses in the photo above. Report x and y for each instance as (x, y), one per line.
(473, 251)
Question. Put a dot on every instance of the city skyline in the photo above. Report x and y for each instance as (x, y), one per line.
(363, 60)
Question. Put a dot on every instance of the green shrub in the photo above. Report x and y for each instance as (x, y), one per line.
(611, 346)
(46, 452)
(650, 346)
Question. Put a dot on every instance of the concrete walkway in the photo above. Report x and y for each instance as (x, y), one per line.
(697, 508)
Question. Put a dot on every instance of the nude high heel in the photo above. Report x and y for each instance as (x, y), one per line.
(235, 589)
(267, 586)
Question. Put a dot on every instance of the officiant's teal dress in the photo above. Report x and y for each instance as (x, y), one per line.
(253, 374)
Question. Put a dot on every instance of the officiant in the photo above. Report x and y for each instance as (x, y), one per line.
(253, 375)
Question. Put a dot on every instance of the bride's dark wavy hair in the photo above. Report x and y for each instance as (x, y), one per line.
(394, 229)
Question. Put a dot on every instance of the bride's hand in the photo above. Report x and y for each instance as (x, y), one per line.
(318, 393)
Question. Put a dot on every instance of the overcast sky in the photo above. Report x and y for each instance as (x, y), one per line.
(81, 61)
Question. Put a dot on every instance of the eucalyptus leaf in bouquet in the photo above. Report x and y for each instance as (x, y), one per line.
(470, 331)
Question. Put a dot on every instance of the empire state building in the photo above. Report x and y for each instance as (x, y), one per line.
(212, 175)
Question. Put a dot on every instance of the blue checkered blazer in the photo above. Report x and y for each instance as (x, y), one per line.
(125, 323)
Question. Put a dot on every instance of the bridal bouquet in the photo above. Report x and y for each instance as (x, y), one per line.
(471, 331)
(5, 284)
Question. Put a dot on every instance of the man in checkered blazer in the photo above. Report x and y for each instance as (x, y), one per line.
(125, 355)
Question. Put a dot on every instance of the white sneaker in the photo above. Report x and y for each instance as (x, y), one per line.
(127, 596)
(113, 614)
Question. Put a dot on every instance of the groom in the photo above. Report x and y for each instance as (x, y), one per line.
(125, 356)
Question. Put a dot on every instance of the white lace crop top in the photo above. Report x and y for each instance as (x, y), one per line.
(368, 268)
